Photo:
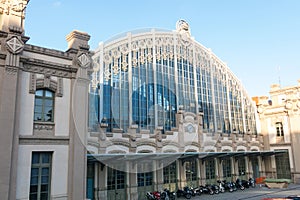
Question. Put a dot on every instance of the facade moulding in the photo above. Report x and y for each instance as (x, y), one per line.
(49, 52)
(46, 140)
(49, 68)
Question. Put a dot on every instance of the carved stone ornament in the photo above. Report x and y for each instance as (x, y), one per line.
(84, 60)
(289, 105)
(13, 5)
(14, 45)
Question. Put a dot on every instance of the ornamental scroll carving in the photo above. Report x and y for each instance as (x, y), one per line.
(13, 6)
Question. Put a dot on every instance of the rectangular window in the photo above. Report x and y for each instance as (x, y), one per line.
(44, 106)
(279, 129)
(40, 177)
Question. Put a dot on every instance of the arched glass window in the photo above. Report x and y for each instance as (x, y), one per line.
(44, 105)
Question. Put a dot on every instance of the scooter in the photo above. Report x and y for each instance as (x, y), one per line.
(221, 186)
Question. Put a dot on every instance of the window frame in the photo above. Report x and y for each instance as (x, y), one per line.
(279, 129)
(40, 165)
(43, 105)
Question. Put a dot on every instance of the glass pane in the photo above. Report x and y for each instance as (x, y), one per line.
(38, 109)
(38, 102)
(35, 158)
(45, 179)
(45, 171)
(33, 188)
(44, 196)
(34, 180)
(33, 197)
(37, 117)
(48, 102)
(47, 118)
(49, 93)
(45, 158)
(34, 172)
(44, 188)
(39, 93)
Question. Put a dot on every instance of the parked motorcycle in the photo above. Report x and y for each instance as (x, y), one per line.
(252, 182)
(215, 188)
(167, 195)
(197, 191)
(239, 184)
(206, 189)
(153, 195)
(245, 183)
(186, 192)
(227, 185)
(221, 186)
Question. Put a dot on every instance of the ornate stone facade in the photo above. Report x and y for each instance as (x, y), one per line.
(279, 118)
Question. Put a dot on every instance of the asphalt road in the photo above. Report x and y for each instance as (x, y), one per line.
(256, 193)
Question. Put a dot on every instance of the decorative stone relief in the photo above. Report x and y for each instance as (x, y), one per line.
(32, 83)
(11, 70)
(14, 45)
(84, 60)
(59, 92)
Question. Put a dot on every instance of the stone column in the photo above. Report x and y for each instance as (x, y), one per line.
(79, 50)
(12, 43)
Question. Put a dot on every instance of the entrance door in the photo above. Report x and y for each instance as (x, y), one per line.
(116, 184)
(255, 167)
(170, 176)
(283, 169)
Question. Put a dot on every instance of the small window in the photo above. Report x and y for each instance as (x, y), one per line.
(44, 106)
(40, 176)
(279, 129)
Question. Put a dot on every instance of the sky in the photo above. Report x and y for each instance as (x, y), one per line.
(258, 39)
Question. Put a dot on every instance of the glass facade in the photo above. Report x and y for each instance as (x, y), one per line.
(144, 78)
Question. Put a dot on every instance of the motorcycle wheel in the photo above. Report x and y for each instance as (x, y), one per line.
(230, 190)
(242, 187)
(188, 196)
(216, 191)
(211, 192)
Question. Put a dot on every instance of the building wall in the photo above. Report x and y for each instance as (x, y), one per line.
(59, 172)
(282, 107)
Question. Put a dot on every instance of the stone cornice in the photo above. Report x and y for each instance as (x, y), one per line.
(46, 140)
(49, 68)
(280, 144)
(46, 51)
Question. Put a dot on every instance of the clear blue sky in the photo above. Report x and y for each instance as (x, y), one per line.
(258, 39)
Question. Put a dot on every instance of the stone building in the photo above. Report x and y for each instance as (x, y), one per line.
(40, 90)
(279, 124)
(147, 110)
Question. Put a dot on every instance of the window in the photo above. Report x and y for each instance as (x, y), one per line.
(226, 163)
(44, 105)
(210, 170)
(40, 176)
(115, 179)
(279, 129)
(191, 170)
(144, 179)
(170, 173)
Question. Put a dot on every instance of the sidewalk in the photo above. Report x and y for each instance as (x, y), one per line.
(257, 193)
